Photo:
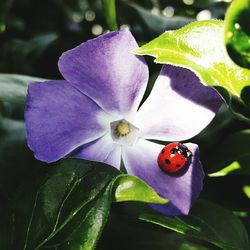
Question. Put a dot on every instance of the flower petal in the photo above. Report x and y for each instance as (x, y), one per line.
(106, 70)
(59, 119)
(179, 106)
(102, 150)
(182, 190)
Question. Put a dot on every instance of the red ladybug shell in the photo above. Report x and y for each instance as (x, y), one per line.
(174, 157)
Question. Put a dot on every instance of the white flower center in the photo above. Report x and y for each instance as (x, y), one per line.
(124, 132)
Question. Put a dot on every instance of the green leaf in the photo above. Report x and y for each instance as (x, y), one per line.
(237, 32)
(110, 13)
(246, 190)
(241, 214)
(13, 87)
(125, 227)
(234, 166)
(208, 222)
(33, 47)
(131, 188)
(47, 212)
(199, 47)
(68, 208)
(233, 155)
(86, 234)
(17, 163)
(39, 43)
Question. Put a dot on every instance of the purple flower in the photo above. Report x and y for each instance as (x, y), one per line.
(93, 114)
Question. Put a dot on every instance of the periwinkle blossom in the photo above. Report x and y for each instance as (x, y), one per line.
(94, 114)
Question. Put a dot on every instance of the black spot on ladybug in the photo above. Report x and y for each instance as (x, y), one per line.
(163, 150)
(174, 150)
(167, 161)
(177, 165)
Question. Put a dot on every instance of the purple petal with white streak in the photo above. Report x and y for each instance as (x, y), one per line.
(102, 150)
(106, 70)
(179, 106)
(59, 119)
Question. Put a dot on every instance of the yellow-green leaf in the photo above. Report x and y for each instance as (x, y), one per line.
(200, 47)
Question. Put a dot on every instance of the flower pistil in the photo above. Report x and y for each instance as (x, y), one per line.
(122, 129)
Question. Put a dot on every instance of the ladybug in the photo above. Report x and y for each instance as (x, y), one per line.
(174, 157)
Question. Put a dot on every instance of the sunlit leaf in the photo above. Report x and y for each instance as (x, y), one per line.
(199, 46)
(234, 166)
(237, 32)
(131, 188)
(246, 190)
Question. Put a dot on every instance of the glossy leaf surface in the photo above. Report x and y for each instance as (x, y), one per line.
(72, 203)
(237, 32)
(199, 46)
(208, 222)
